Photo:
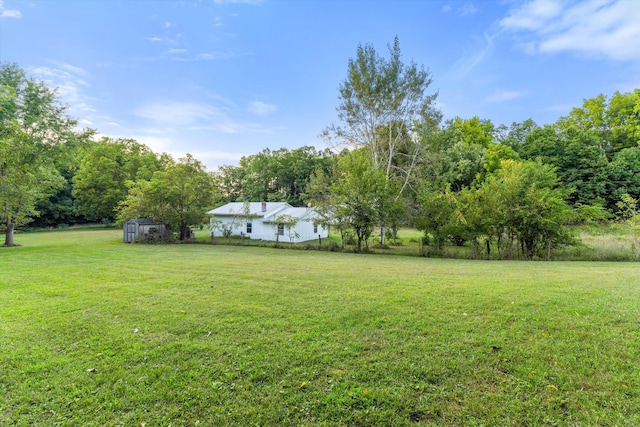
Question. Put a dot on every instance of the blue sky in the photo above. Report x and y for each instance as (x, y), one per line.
(226, 78)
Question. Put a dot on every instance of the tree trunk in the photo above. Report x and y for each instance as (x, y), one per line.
(382, 234)
(185, 232)
(8, 239)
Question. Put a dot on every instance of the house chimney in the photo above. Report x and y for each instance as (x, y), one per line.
(264, 206)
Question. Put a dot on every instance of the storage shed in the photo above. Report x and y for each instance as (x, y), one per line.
(139, 228)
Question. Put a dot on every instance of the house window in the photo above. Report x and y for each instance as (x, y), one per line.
(280, 229)
(315, 228)
(249, 228)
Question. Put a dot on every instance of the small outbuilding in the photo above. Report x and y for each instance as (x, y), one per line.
(140, 228)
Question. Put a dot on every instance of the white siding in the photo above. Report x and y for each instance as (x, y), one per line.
(264, 226)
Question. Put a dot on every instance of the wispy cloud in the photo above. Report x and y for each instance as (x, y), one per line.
(196, 116)
(463, 10)
(261, 108)
(9, 13)
(210, 56)
(466, 9)
(504, 95)
(471, 59)
(70, 82)
(176, 51)
(598, 29)
(163, 40)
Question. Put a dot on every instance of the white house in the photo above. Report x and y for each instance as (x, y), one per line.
(268, 221)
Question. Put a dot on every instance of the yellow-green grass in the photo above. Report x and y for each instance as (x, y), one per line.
(95, 332)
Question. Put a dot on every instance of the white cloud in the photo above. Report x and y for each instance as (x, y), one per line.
(261, 108)
(217, 22)
(598, 29)
(164, 40)
(175, 51)
(169, 24)
(71, 86)
(504, 95)
(195, 116)
(533, 15)
(9, 13)
(214, 55)
(466, 9)
(178, 113)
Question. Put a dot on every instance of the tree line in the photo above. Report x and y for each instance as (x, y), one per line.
(393, 162)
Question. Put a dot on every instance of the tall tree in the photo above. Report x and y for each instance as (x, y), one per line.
(58, 208)
(106, 168)
(33, 124)
(383, 106)
(178, 195)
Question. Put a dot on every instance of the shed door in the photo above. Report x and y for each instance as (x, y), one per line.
(130, 234)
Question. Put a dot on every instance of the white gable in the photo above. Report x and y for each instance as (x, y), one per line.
(262, 221)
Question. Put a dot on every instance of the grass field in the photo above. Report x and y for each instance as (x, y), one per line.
(95, 332)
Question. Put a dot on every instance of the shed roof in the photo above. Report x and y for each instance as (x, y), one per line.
(143, 221)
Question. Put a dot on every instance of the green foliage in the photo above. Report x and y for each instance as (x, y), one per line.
(628, 211)
(58, 207)
(581, 162)
(527, 204)
(276, 176)
(106, 171)
(33, 127)
(361, 194)
(437, 214)
(178, 195)
(515, 135)
(496, 154)
(519, 206)
(613, 120)
(384, 108)
(624, 174)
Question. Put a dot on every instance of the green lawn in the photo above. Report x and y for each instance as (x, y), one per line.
(95, 332)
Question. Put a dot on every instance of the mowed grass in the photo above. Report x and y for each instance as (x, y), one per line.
(95, 332)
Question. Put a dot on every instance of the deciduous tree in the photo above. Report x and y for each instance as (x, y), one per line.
(383, 107)
(33, 124)
(106, 170)
(178, 195)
